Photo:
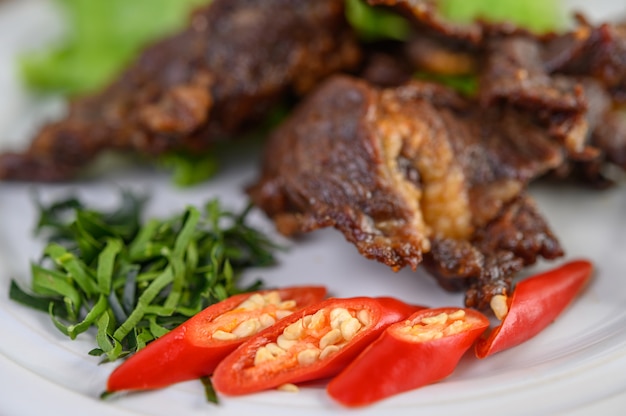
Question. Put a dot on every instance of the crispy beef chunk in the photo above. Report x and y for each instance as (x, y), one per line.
(610, 136)
(597, 51)
(213, 80)
(571, 82)
(410, 174)
(434, 56)
(383, 64)
(484, 265)
(513, 73)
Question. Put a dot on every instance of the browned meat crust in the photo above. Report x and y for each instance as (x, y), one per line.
(413, 173)
(597, 51)
(571, 82)
(484, 265)
(213, 80)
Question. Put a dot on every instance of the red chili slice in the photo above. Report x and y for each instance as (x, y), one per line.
(314, 343)
(536, 302)
(193, 349)
(410, 354)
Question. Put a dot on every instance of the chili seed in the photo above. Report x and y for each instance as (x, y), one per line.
(247, 328)
(308, 356)
(266, 320)
(288, 304)
(332, 337)
(331, 349)
(337, 316)
(288, 387)
(263, 355)
(223, 335)
(349, 328)
(272, 298)
(317, 320)
(285, 343)
(280, 314)
(455, 327)
(499, 306)
(294, 331)
(276, 351)
(440, 319)
(460, 314)
(364, 317)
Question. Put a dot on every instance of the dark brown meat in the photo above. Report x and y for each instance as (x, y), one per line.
(410, 174)
(610, 136)
(571, 82)
(484, 265)
(596, 51)
(513, 73)
(438, 57)
(384, 64)
(213, 80)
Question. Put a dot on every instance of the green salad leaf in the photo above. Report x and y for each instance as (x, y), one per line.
(537, 15)
(375, 23)
(103, 36)
(372, 23)
(133, 281)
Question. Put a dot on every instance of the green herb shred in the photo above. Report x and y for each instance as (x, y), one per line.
(134, 282)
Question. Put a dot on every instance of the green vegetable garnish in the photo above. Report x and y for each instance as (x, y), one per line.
(372, 23)
(209, 391)
(134, 281)
(104, 35)
(464, 84)
(188, 169)
(537, 15)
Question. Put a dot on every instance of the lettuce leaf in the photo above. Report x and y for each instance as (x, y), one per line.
(373, 23)
(104, 35)
(537, 15)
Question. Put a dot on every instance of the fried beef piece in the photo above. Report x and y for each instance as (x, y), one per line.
(610, 136)
(410, 174)
(508, 61)
(484, 265)
(432, 56)
(384, 64)
(513, 73)
(570, 82)
(213, 80)
(596, 51)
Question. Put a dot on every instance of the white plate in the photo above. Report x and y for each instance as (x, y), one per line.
(573, 366)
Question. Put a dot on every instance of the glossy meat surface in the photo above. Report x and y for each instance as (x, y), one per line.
(410, 174)
(216, 79)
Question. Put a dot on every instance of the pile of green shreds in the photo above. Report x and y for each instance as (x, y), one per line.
(134, 282)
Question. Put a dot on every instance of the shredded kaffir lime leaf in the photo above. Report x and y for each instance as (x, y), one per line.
(134, 281)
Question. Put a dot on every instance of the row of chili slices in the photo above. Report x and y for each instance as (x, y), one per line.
(278, 338)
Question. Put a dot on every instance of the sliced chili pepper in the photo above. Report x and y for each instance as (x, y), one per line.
(410, 354)
(314, 343)
(536, 302)
(193, 349)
